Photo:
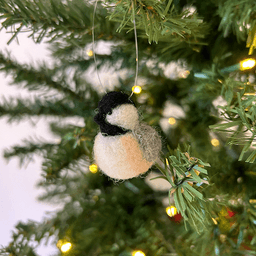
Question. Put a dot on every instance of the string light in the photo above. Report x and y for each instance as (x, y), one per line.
(171, 211)
(249, 93)
(138, 253)
(184, 74)
(223, 238)
(171, 120)
(242, 65)
(247, 64)
(93, 168)
(251, 40)
(136, 89)
(64, 246)
(215, 142)
(215, 221)
(90, 53)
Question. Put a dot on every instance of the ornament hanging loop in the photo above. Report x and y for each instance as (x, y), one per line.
(136, 46)
(93, 45)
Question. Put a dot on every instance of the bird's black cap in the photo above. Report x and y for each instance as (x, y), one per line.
(110, 101)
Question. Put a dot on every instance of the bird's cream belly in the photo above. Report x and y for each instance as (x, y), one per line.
(120, 157)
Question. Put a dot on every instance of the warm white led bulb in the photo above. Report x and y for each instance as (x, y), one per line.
(247, 64)
(90, 53)
(136, 89)
(138, 253)
(93, 168)
(66, 247)
(215, 142)
(171, 211)
(172, 121)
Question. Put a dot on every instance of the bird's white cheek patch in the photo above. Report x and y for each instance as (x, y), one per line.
(125, 115)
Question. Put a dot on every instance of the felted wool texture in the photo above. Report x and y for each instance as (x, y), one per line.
(120, 156)
(125, 148)
(149, 141)
(105, 106)
(125, 116)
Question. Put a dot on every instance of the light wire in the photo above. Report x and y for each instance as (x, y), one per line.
(93, 45)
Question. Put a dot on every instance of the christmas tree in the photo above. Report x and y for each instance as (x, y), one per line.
(191, 57)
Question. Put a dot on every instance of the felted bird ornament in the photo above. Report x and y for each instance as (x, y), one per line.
(125, 147)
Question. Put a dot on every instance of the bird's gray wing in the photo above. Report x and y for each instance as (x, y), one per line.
(149, 141)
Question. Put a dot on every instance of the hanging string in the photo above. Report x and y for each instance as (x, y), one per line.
(136, 46)
(93, 45)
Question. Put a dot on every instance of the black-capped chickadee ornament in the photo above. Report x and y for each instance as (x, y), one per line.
(125, 147)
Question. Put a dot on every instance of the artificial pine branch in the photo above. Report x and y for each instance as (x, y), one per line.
(83, 190)
(47, 19)
(34, 79)
(18, 109)
(75, 146)
(97, 206)
(158, 20)
(25, 153)
(61, 130)
(25, 233)
(240, 113)
(237, 17)
(62, 158)
(183, 172)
